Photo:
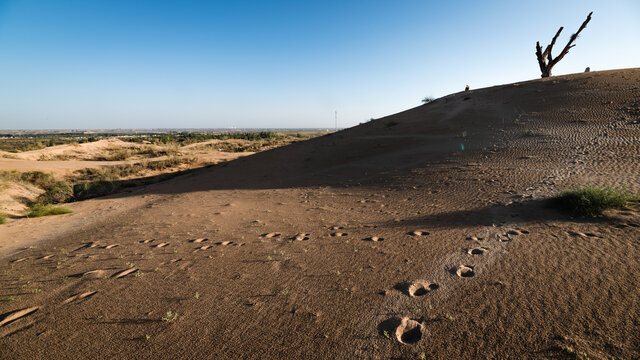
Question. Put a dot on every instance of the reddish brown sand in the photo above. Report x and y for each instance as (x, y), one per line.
(270, 281)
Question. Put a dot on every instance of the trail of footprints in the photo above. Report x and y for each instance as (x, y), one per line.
(14, 315)
(410, 331)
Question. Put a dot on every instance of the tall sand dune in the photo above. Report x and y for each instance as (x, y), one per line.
(424, 234)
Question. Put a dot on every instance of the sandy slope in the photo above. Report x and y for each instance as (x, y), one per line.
(544, 285)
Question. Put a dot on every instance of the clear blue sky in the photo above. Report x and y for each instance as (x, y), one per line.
(124, 64)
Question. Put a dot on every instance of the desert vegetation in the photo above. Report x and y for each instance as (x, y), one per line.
(592, 200)
(104, 163)
(38, 210)
(15, 143)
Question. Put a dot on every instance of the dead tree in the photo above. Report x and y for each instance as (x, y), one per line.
(545, 60)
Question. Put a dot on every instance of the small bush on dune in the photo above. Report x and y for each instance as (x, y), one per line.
(120, 154)
(38, 210)
(93, 188)
(591, 200)
(12, 175)
(58, 193)
(38, 178)
(3, 218)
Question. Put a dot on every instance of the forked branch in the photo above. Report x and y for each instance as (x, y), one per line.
(545, 60)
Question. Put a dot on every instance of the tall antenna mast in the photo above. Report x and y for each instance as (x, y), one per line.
(336, 120)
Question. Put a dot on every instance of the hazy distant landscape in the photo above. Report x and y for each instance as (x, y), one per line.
(85, 164)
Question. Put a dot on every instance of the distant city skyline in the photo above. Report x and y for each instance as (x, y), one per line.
(280, 64)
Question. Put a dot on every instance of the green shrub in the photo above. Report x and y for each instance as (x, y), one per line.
(12, 175)
(591, 200)
(58, 193)
(3, 218)
(38, 178)
(93, 189)
(37, 210)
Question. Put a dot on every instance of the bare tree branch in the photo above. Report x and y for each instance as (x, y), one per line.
(547, 51)
(540, 57)
(547, 64)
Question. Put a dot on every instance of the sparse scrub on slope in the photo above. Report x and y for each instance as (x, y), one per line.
(60, 192)
(116, 172)
(149, 151)
(107, 180)
(55, 191)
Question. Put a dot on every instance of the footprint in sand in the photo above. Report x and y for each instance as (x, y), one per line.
(45, 257)
(465, 271)
(271, 235)
(199, 240)
(95, 274)
(20, 260)
(110, 246)
(581, 234)
(79, 296)
(477, 251)
(87, 245)
(146, 241)
(409, 331)
(373, 238)
(15, 315)
(475, 238)
(336, 227)
(124, 273)
(203, 247)
(161, 245)
(517, 232)
(335, 234)
(224, 243)
(418, 233)
(503, 238)
(301, 237)
(421, 288)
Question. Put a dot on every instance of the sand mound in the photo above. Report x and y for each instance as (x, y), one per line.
(84, 151)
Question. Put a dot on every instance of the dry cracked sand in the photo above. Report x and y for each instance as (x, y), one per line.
(386, 240)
